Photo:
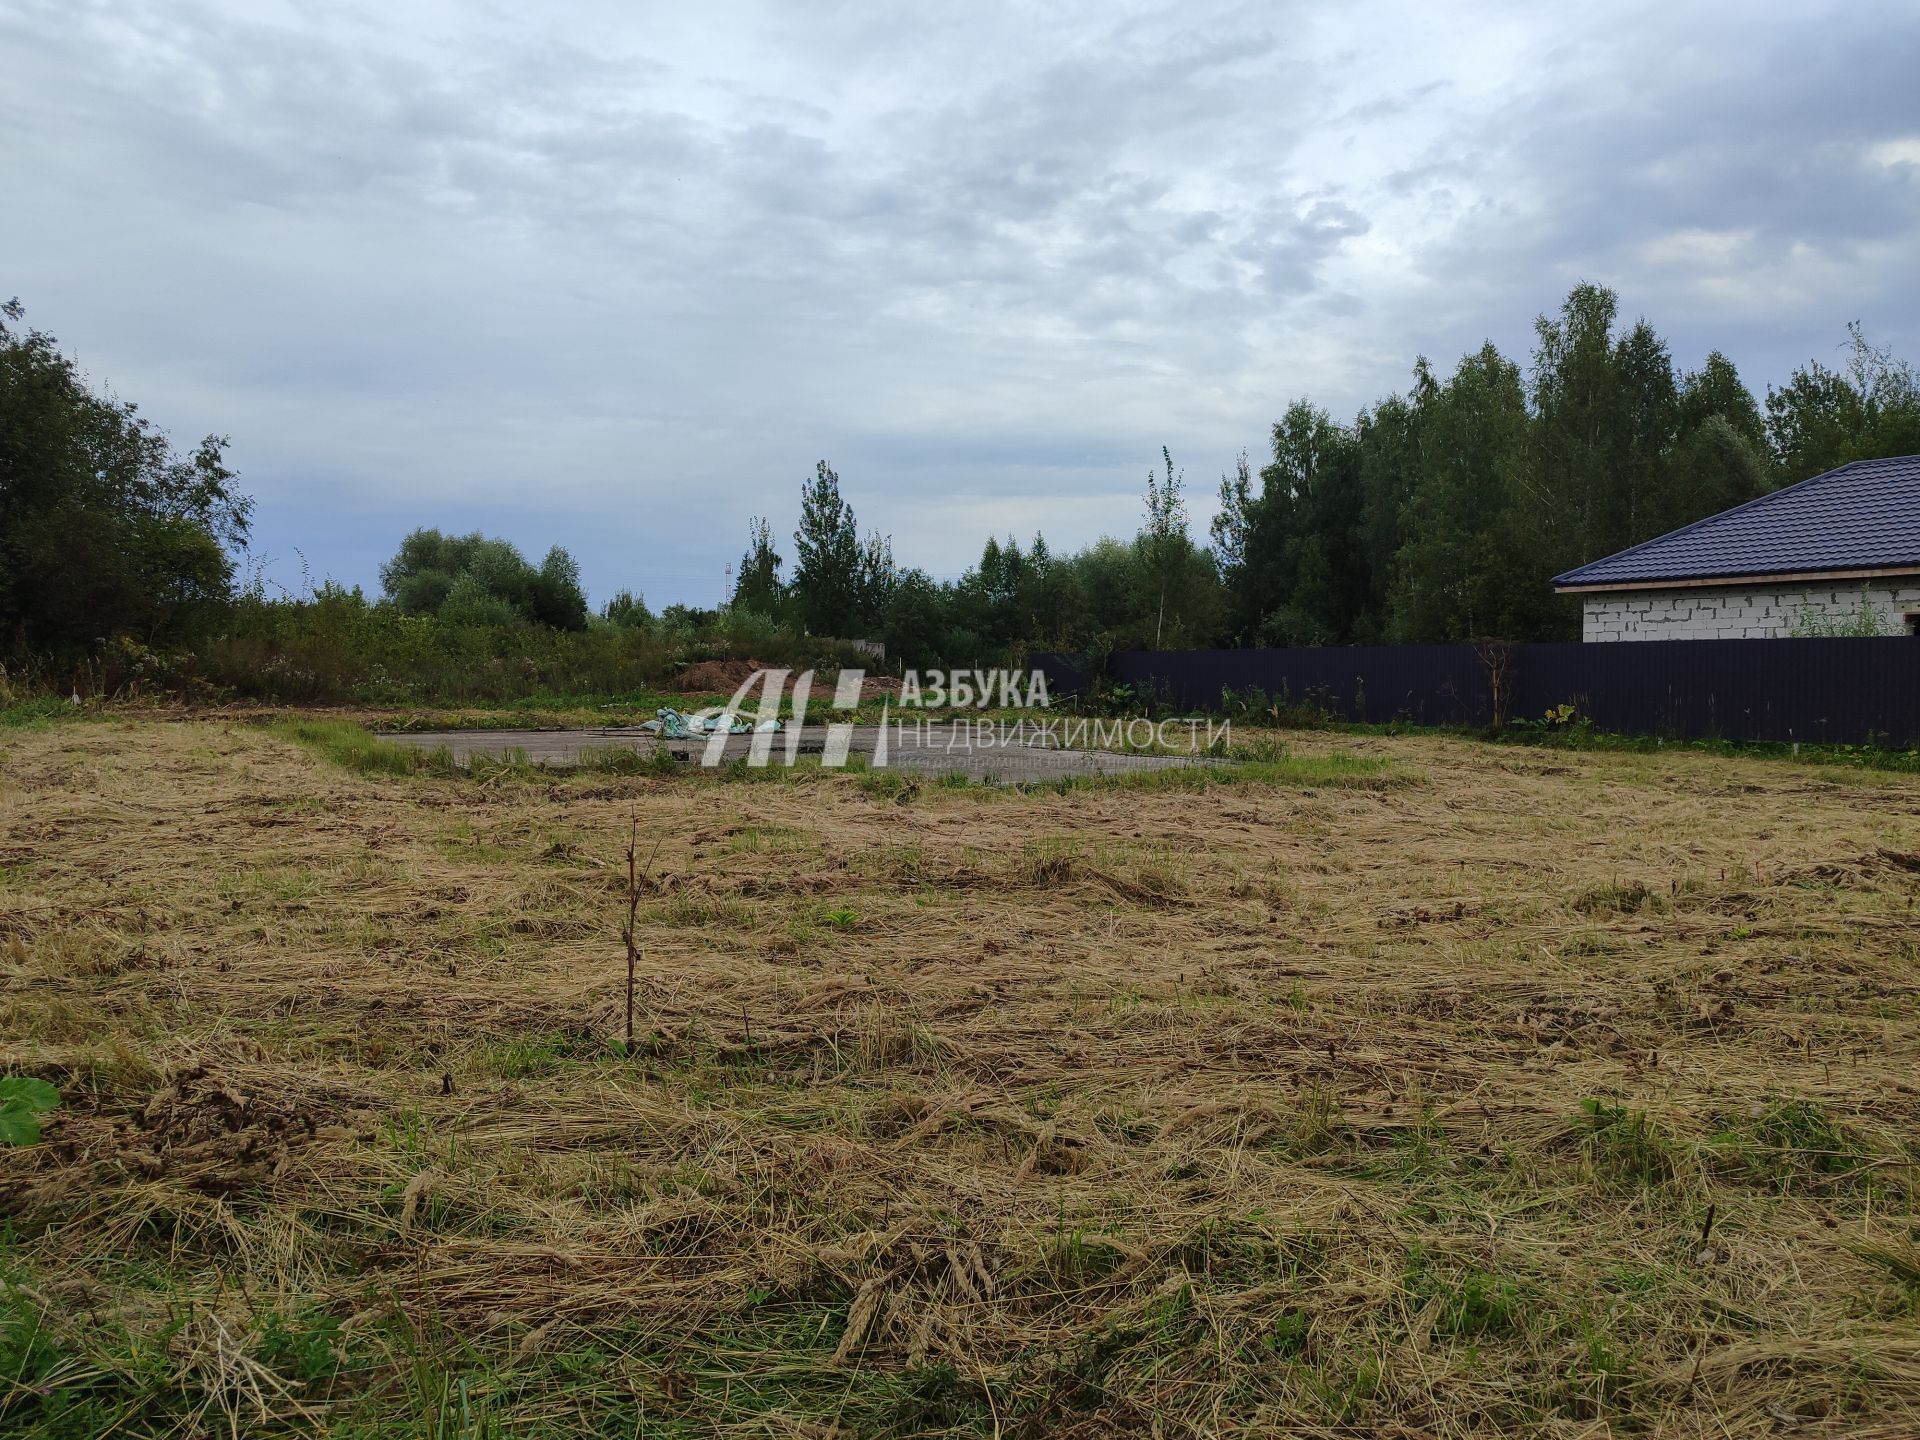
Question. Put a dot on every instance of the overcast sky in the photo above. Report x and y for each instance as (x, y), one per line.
(614, 276)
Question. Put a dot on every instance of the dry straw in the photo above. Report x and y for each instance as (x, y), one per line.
(1318, 1109)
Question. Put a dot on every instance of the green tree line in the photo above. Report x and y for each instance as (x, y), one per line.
(1443, 513)
(1436, 514)
(1439, 514)
(105, 529)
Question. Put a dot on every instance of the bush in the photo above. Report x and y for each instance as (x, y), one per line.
(338, 646)
(474, 580)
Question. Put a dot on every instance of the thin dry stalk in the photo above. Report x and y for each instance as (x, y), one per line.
(630, 931)
(633, 920)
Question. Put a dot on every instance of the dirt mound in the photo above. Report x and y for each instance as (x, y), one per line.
(714, 677)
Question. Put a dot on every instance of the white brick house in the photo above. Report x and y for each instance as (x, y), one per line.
(1835, 555)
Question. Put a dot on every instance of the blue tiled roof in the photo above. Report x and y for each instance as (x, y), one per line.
(1863, 516)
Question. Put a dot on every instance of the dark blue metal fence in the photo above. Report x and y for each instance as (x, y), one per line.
(1824, 690)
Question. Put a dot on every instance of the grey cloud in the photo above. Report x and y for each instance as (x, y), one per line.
(1288, 247)
(618, 282)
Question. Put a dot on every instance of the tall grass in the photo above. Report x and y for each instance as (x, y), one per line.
(336, 646)
(340, 648)
(35, 711)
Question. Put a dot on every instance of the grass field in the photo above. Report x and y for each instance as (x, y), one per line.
(1393, 1086)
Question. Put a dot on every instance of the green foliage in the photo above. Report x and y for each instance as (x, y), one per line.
(1233, 520)
(758, 590)
(353, 748)
(338, 645)
(1262, 768)
(55, 1390)
(1279, 711)
(1297, 577)
(518, 1057)
(307, 1348)
(104, 528)
(1624, 1148)
(1604, 409)
(36, 712)
(1794, 1145)
(1437, 515)
(1821, 418)
(23, 1100)
(627, 611)
(476, 581)
(1287, 1334)
(1720, 457)
(1868, 619)
(917, 624)
(1472, 566)
(826, 580)
(1444, 514)
(1468, 1303)
(840, 584)
(1164, 546)
(1613, 898)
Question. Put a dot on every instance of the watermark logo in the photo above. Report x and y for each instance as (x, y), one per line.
(770, 716)
(974, 689)
(769, 724)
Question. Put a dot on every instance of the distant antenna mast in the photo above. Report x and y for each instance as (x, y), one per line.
(726, 587)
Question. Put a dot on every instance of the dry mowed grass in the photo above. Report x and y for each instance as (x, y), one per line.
(1506, 1091)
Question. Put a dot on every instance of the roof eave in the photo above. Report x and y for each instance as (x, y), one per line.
(1697, 582)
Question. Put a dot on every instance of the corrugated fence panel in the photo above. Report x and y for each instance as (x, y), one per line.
(1424, 684)
(1827, 690)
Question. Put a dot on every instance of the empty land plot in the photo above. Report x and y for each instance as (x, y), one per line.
(1417, 1087)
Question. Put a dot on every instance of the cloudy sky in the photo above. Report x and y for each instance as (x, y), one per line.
(614, 276)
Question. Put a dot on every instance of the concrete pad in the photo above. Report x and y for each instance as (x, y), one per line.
(908, 747)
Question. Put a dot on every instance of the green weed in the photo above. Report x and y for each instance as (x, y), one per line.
(519, 1056)
(1794, 1143)
(1470, 1303)
(353, 748)
(23, 1100)
(1623, 1147)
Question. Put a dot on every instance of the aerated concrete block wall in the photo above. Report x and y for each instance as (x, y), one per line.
(1762, 612)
